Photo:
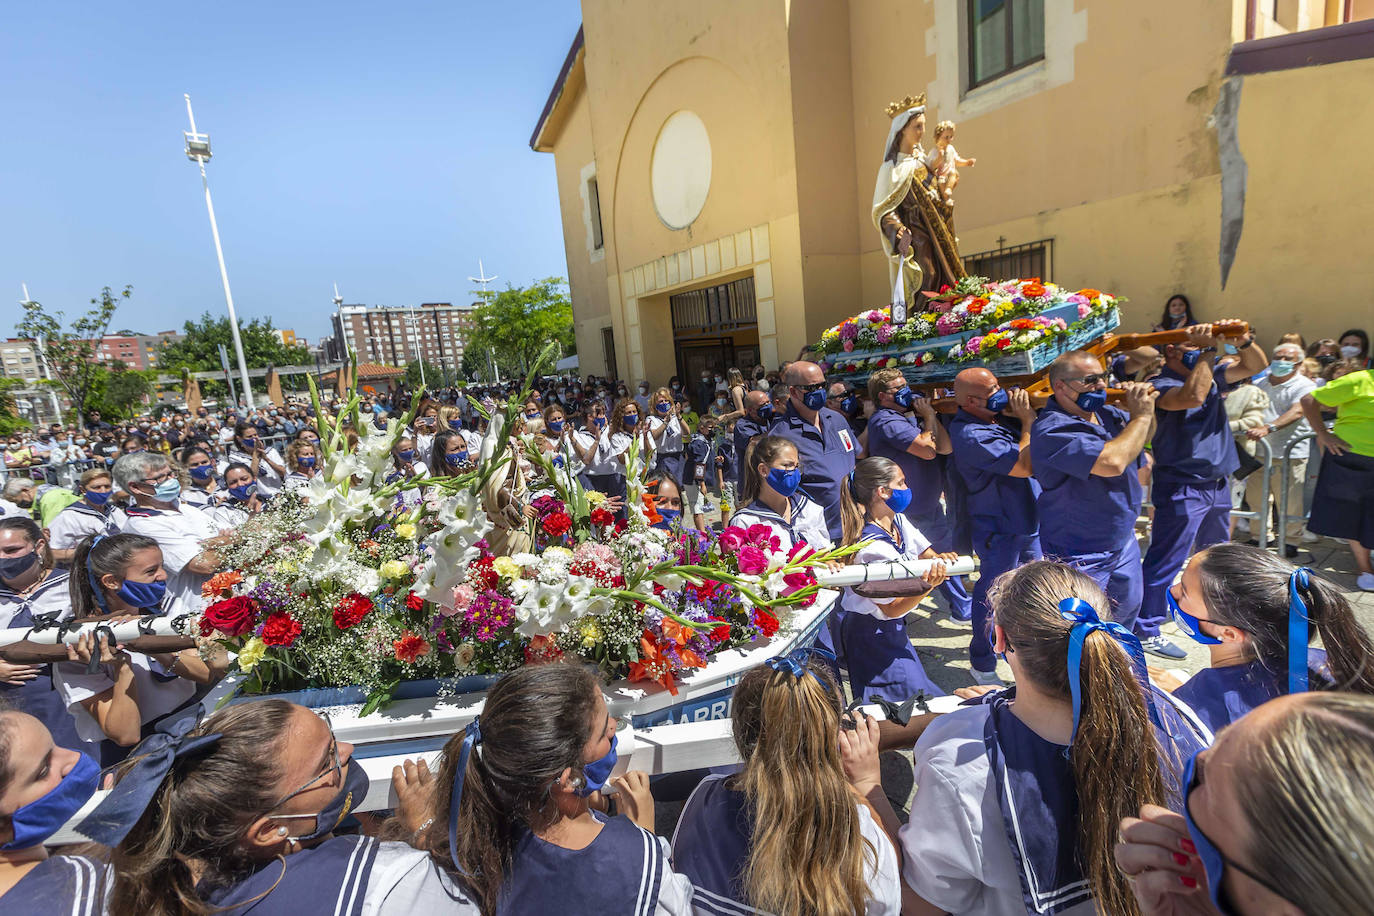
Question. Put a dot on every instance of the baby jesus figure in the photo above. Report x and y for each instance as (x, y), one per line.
(943, 162)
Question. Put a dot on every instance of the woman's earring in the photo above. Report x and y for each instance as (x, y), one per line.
(281, 831)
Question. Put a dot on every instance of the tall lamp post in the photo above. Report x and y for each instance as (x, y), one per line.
(198, 151)
(43, 362)
(420, 353)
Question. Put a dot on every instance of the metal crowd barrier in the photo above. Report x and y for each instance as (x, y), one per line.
(1285, 468)
(67, 473)
(1260, 515)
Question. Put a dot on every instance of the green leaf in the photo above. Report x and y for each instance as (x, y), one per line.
(379, 698)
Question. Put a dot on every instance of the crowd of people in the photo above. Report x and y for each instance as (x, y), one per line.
(1079, 789)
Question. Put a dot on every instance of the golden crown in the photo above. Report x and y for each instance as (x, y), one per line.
(911, 101)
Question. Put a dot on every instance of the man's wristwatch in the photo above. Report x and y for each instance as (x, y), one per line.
(1250, 342)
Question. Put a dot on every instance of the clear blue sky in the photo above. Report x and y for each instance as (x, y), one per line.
(380, 146)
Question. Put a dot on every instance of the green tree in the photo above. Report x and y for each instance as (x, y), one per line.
(123, 390)
(198, 350)
(433, 375)
(71, 351)
(10, 421)
(513, 325)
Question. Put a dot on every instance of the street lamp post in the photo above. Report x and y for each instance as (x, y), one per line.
(198, 151)
(418, 349)
(43, 362)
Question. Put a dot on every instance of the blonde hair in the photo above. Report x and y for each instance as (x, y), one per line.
(942, 127)
(1305, 782)
(1115, 754)
(807, 854)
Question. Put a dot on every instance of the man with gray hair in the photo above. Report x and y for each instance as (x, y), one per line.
(19, 495)
(1283, 422)
(187, 535)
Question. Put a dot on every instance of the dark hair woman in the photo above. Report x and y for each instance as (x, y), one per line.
(1178, 313)
(449, 454)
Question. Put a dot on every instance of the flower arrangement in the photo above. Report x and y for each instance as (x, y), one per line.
(973, 304)
(357, 580)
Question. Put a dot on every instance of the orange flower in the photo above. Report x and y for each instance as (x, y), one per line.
(1033, 290)
(651, 509)
(220, 584)
(652, 666)
(1090, 293)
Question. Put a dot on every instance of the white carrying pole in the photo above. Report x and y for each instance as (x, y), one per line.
(857, 574)
(123, 632)
(223, 273)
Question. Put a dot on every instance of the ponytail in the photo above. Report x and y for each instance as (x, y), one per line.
(95, 556)
(533, 727)
(1115, 754)
(1248, 588)
(808, 853)
(857, 492)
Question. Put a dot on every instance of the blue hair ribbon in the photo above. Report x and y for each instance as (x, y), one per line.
(797, 662)
(1085, 621)
(153, 759)
(1298, 630)
(472, 735)
(90, 576)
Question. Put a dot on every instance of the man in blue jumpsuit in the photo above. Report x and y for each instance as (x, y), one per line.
(825, 444)
(990, 437)
(1195, 454)
(915, 446)
(1087, 457)
(758, 414)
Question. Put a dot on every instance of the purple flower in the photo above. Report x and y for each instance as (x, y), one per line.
(884, 333)
(849, 330)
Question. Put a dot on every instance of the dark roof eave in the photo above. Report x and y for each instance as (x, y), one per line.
(557, 91)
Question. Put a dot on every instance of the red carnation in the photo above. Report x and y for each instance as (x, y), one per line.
(415, 602)
(280, 629)
(721, 633)
(557, 524)
(350, 610)
(766, 622)
(410, 647)
(1004, 343)
(602, 517)
(232, 616)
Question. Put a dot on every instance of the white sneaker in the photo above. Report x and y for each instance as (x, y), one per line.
(1310, 538)
(987, 678)
(1366, 582)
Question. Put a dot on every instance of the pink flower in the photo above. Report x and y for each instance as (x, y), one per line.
(752, 561)
(873, 315)
(1060, 323)
(800, 551)
(947, 324)
(762, 536)
(462, 597)
(884, 333)
(1084, 309)
(848, 345)
(732, 539)
(973, 344)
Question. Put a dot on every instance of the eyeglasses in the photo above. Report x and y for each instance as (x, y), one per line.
(818, 386)
(154, 481)
(333, 765)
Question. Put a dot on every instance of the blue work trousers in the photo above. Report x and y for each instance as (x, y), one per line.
(1116, 572)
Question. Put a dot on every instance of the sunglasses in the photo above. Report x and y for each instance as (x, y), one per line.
(818, 386)
(1093, 378)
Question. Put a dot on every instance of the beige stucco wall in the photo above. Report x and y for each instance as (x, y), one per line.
(1106, 148)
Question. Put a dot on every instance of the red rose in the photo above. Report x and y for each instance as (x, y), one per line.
(232, 617)
(410, 647)
(1004, 343)
(766, 622)
(557, 524)
(350, 610)
(415, 602)
(280, 629)
(602, 517)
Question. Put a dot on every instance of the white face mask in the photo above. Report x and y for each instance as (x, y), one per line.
(1349, 352)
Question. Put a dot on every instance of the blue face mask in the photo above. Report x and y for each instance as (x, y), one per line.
(555, 426)
(1281, 367)
(663, 407)
(352, 791)
(41, 818)
(306, 461)
(1187, 622)
(814, 400)
(168, 491)
(766, 412)
(999, 400)
(849, 403)
(597, 772)
(669, 516)
(14, 567)
(1231, 349)
(630, 420)
(407, 455)
(600, 422)
(455, 424)
(1092, 401)
(899, 500)
(242, 493)
(903, 397)
(142, 595)
(250, 443)
(453, 459)
(531, 415)
(785, 482)
(97, 498)
(202, 472)
(1190, 358)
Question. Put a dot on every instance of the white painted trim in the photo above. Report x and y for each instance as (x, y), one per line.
(588, 173)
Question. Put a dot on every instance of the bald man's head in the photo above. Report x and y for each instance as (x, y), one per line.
(802, 373)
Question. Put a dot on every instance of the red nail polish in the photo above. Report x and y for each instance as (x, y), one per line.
(1180, 858)
(1187, 881)
(1187, 846)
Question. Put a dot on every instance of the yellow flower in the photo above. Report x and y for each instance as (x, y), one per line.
(406, 530)
(506, 567)
(595, 498)
(251, 653)
(394, 569)
(558, 552)
(591, 633)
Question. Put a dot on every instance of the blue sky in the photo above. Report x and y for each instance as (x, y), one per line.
(380, 146)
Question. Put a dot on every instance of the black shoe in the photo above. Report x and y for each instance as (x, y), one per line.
(1252, 543)
(1290, 551)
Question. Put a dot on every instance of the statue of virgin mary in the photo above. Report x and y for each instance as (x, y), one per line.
(921, 250)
